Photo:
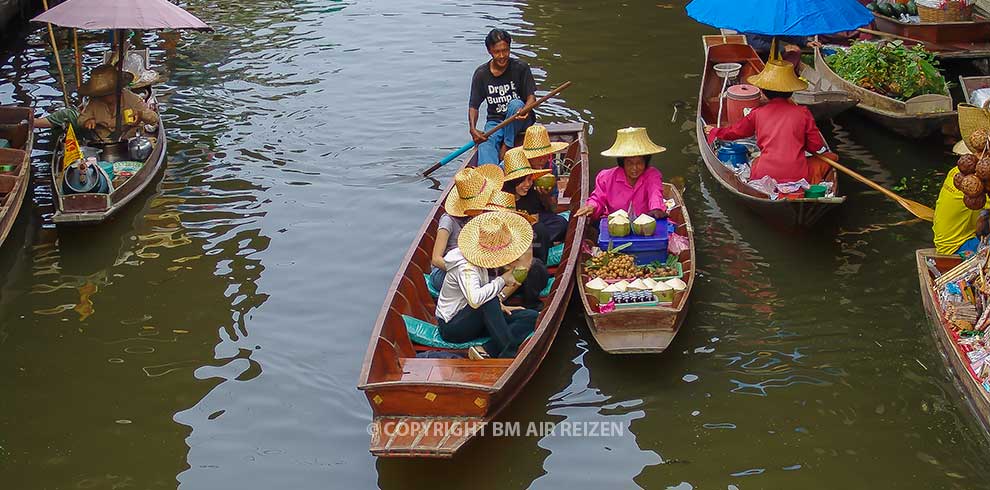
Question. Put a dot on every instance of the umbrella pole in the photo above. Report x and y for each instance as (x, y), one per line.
(120, 89)
(58, 61)
(78, 56)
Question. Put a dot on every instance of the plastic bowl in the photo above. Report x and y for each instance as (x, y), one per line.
(816, 191)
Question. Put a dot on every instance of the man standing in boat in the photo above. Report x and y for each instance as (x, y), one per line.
(506, 85)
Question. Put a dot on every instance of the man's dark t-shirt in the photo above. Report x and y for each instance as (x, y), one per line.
(515, 83)
(531, 203)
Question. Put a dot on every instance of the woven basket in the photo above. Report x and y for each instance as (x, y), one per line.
(972, 118)
(954, 11)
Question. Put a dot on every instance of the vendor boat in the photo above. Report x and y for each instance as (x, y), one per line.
(646, 329)
(969, 84)
(950, 40)
(17, 136)
(914, 118)
(431, 407)
(974, 389)
(117, 188)
(800, 211)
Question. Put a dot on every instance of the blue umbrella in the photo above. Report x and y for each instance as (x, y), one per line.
(781, 17)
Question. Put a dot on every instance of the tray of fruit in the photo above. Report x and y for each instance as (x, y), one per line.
(613, 266)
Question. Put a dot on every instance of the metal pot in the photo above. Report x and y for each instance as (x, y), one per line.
(113, 152)
(139, 148)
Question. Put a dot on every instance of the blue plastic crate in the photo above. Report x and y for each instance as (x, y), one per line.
(644, 249)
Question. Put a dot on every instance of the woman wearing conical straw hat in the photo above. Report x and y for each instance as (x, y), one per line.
(473, 188)
(632, 183)
(956, 227)
(784, 130)
(538, 276)
(520, 180)
(470, 304)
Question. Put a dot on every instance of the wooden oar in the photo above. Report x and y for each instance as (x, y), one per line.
(920, 210)
(528, 107)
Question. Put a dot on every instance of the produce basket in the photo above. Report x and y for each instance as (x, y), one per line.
(950, 11)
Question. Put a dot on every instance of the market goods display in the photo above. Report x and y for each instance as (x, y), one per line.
(644, 225)
(893, 9)
(973, 179)
(612, 265)
(889, 68)
(618, 224)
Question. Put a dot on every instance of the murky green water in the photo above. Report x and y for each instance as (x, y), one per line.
(211, 336)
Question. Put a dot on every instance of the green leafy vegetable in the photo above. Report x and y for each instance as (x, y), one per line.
(889, 68)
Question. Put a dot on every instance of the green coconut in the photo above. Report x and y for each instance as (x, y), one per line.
(546, 182)
(618, 226)
(644, 225)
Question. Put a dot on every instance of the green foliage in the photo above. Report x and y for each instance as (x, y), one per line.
(889, 68)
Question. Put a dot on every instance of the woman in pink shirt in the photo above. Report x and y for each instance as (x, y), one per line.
(633, 183)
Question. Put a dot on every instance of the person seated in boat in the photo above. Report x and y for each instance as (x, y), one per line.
(633, 182)
(506, 85)
(471, 303)
(550, 227)
(784, 130)
(473, 188)
(540, 150)
(100, 113)
(538, 276)
(957, 228)
(788, 48)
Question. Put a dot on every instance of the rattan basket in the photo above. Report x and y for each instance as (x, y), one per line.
(954, 11)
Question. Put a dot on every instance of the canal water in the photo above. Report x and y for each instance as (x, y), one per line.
(211, 336)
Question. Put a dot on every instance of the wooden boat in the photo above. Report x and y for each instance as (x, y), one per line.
(960, 40)
(17, 127)
(96, 207)
(915, 118)
(958, 363)
(428, 407)
(969, 84)
(787, 212)
(649, 329)
(823, 99)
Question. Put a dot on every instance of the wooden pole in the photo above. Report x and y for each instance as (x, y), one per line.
(78, 55)
(58, 61)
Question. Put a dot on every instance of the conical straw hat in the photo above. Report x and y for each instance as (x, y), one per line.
(632, 142)
(495, 238)
(960, 148)
(473, 187)
(503, 201)
(537, 142)
(778, 76)
(103, 81)
(517, 165)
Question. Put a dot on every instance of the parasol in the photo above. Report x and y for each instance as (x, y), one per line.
(780, 17)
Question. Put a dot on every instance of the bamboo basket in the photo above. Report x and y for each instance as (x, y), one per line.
(954, 11)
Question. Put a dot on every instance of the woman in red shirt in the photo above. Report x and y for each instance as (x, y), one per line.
(784, 130)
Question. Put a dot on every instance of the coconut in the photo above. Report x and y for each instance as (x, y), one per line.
(546, 182)
(975, 203)
(644, 225)
(977, 140)
(618, 226)
(595, 287)
(621, 212)
(649, 282)
(971, 185)
(663, 292)
(638, 285)
(967, 164)
(677, 284)
(622, 285)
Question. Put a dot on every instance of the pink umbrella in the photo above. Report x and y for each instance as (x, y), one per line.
(120, 14)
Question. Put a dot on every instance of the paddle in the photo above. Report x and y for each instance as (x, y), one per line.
(920, 210)
(528, 107)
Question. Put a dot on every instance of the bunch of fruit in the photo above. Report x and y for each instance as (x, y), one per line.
(973, 178)
(611, 265)
(893, 9)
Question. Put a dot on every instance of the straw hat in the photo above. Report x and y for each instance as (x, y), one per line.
(960, 148)
(503, 201)
(103, 81)
(517, 165)
(778, 76)
(537, 142)
(495, 239)
(473, 187)
(632, 142)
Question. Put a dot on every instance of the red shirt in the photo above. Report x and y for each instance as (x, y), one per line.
(784, 131)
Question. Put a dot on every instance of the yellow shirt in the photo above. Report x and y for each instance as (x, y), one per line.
(954, 223)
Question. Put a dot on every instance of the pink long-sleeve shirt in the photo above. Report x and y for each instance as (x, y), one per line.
(613, 193)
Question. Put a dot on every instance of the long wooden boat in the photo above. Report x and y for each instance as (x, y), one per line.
(969, 84)
(17, 127)
(956, 360)
(915, 118)
(428, 407)
(824, 100)
(648, 329)
(959, 40)
(786, 212)
(97, 207)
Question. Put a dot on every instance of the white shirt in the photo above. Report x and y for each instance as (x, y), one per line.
(466, 285)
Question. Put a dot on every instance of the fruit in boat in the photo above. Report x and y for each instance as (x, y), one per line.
(618, 226)
(663, 292)
(975, 202)
(638, 285)
(977, 140)
(546, 182)
(677, 284)
(957, 180)
(971, 185)
(622, 286)
(596, 287)
(885, 9)
(983, 168)
(644, 225)
(967, 164)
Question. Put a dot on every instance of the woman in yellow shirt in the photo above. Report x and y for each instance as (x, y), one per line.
(957, 228)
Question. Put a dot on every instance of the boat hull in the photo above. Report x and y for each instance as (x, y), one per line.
(16, 126)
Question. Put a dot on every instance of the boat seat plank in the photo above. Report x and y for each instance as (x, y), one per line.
(483, 372)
